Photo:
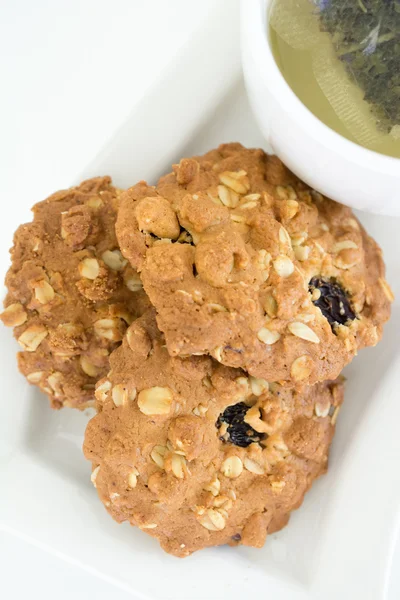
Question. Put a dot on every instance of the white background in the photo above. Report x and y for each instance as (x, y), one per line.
(63, 65)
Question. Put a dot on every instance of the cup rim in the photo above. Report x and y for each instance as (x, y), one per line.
(279, 87)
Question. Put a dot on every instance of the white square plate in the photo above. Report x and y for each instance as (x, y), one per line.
(340, 542)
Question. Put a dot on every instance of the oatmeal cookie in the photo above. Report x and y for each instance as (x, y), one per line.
(198, 454)
(246, 263)
(71, 294)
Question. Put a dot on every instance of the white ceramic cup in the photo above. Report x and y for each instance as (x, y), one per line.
(328, 162)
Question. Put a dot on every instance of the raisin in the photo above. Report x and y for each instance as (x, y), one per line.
(240, 433)
(333, 301)
(185, 237)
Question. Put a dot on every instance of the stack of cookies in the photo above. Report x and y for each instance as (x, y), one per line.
(208, 320)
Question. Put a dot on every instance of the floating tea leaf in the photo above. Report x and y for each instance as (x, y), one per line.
(349, 50)
(366, 38)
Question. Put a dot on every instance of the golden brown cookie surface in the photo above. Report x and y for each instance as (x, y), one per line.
(71, 294)
(198, 454)
(244, 262)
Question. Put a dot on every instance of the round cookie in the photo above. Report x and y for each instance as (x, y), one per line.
(71, 294)
(243, 261)
(198, 454)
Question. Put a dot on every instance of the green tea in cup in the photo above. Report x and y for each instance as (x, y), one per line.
(342, 60)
